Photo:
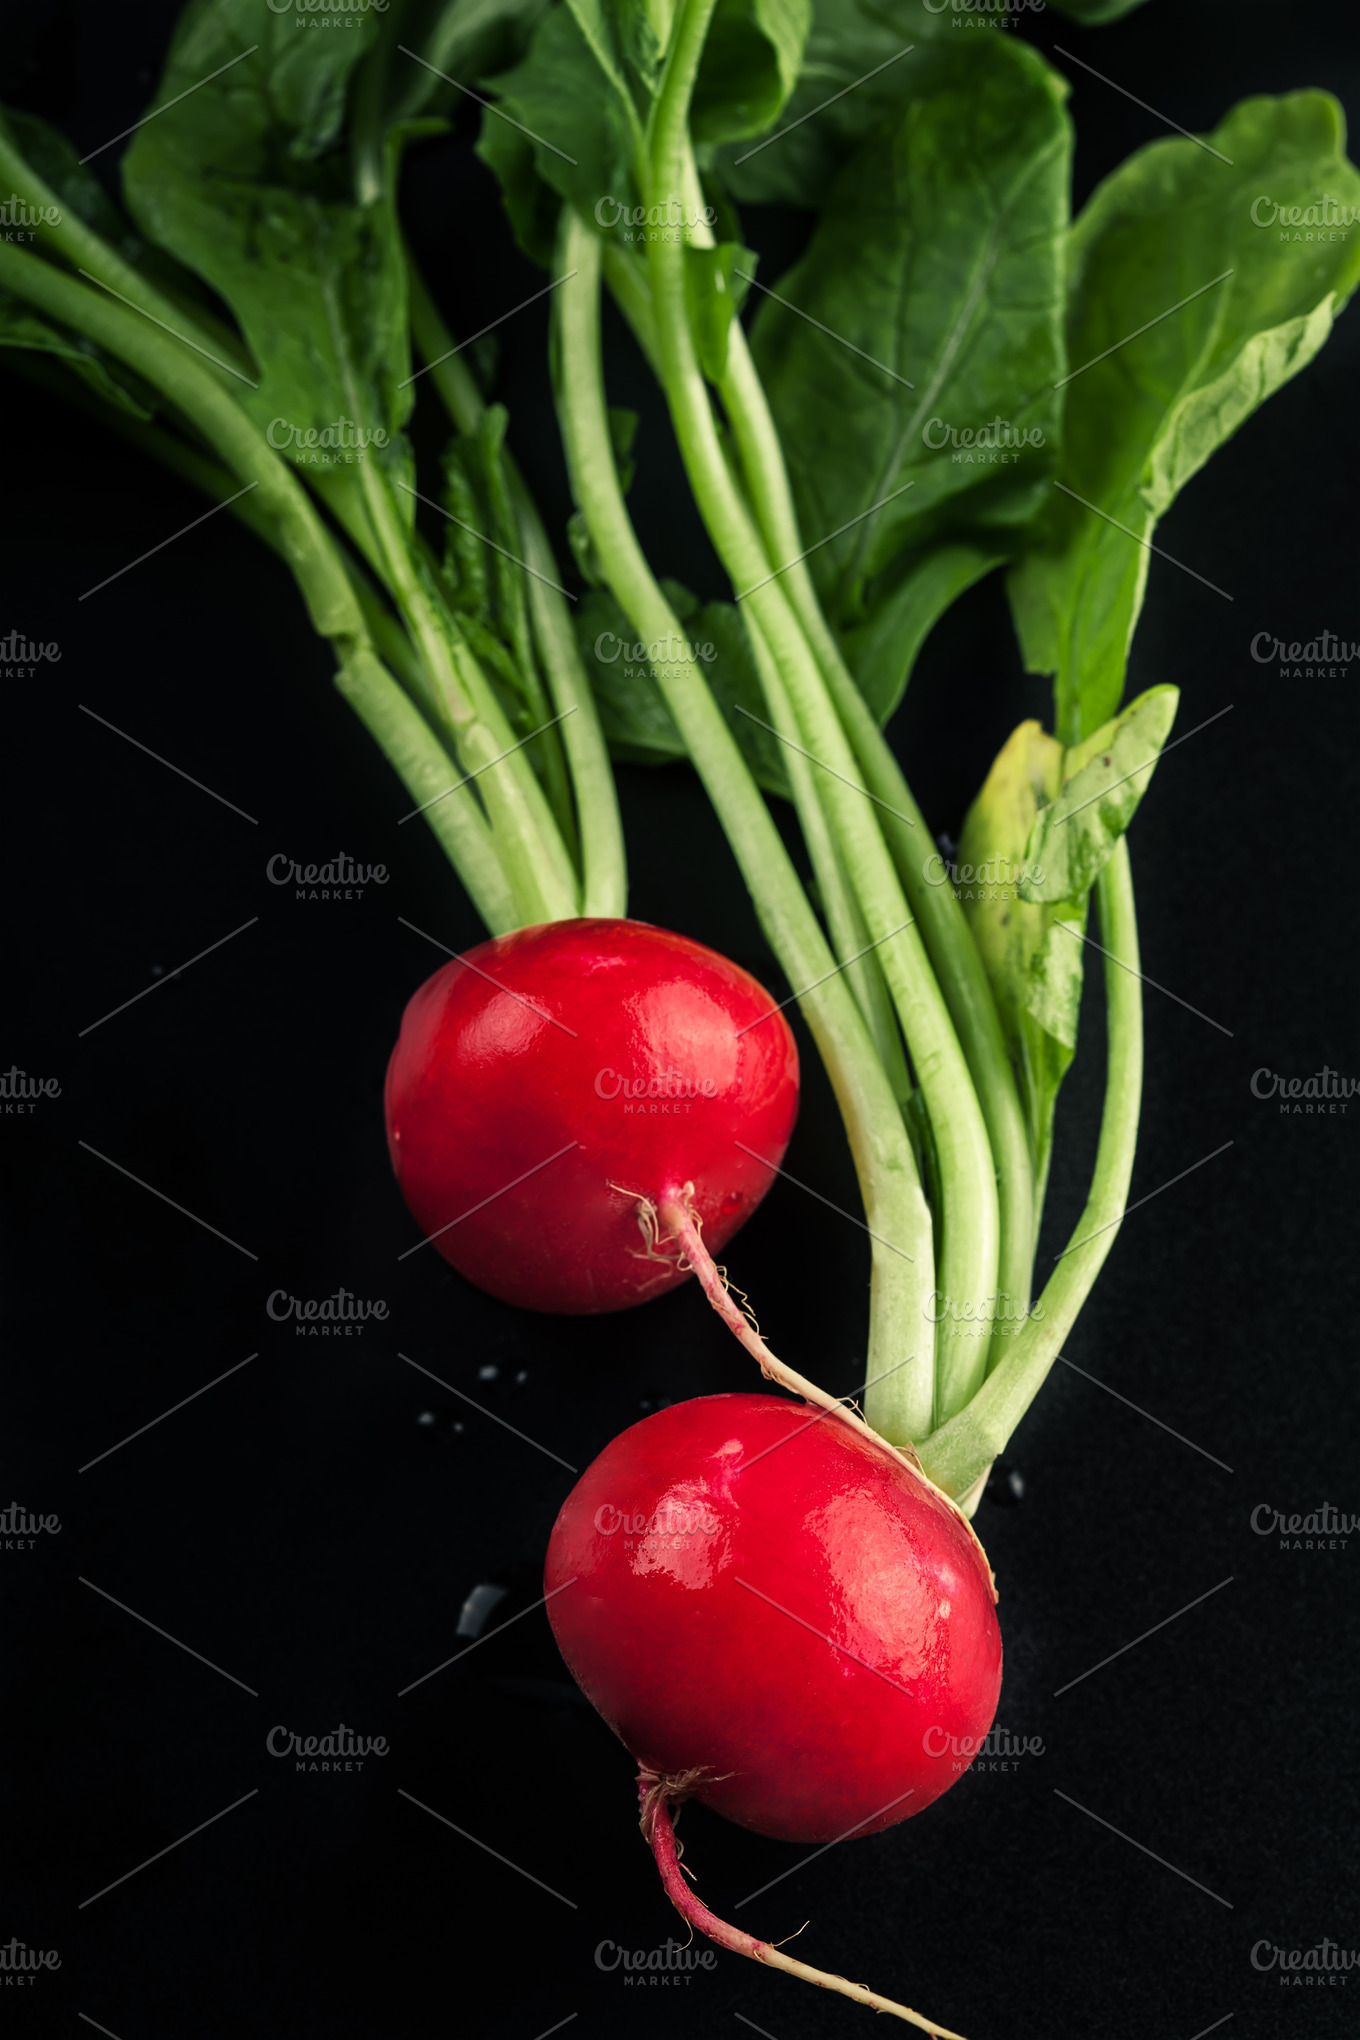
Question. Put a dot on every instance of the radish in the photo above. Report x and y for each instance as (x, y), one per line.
(570, 1107)
(780, 1616)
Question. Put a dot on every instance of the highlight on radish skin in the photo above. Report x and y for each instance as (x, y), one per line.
(779, 1617)
(553, 1089)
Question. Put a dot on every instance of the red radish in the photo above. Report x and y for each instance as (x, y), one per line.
(562, 1099)
(779, 1616)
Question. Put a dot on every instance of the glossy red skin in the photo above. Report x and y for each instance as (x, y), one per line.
(691, 1668)
(482, 1088)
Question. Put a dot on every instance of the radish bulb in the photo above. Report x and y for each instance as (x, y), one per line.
(778, 1615)
(563, 1102)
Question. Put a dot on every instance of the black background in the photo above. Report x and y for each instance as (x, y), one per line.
(305, 1527)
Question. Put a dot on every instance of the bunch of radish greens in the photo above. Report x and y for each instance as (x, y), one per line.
(954, 378)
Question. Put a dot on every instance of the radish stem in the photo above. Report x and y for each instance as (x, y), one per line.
(962, 1449)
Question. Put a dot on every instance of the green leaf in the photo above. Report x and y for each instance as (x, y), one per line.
(1167, 227)
(1104, 779)
(855, 72)
(920, 407)
(78, 189)
(716, 283)
(246, 181)
(882, 651)
(559, 129)
(637, 723)
(749, 67)
(1035, 965)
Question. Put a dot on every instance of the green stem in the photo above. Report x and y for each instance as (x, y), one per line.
(280, 510)
(896, 1213)
(604, 870)
(970, 1229)
(948, 938)
(962, 1449)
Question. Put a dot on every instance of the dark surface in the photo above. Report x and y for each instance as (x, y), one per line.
(305, 1525)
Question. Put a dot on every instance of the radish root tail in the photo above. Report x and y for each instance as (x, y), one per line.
(656, 1793)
